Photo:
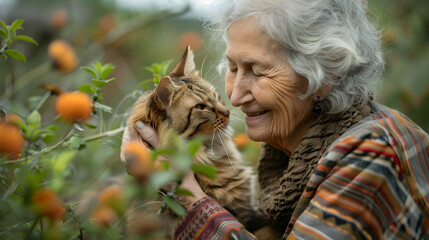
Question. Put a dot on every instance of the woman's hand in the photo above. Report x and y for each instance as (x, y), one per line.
(146, 135)
(190, 183)
(142, 133)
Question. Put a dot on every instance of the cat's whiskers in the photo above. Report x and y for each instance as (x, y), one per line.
(210, 78)
(213, 136)
(236, 119)
(223, 145)
(225, 131)
(202, 66)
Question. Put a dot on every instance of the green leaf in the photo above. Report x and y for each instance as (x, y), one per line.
(52, 127)
(159, 179)
(164, 67)
(21, 125)
(184, 192)
(161, 151)
(90, 126)
(182, 161)
(26, 39)
(76, 142)
(3, 34)
(106, 70)
(175, 206)
(97, 66)
(156, 68)
(99, 83)
(3, 56)
(34, 119)
(103, 107)
(3, 25)
(193, 147)
(207, 170)
(15, 54)
(87, 88)
(15, 25)
(149, 69)
(63, 159)
(90, 71)
(48, 137)
(110, 80)
(156, 78)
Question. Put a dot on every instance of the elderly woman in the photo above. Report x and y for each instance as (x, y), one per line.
(335, 163)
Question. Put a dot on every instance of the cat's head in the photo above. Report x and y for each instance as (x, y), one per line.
(182, 101)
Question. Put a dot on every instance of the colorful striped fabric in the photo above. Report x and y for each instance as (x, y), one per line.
(373, 183)
(207, 220)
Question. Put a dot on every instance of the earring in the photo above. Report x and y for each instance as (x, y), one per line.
(317, 109)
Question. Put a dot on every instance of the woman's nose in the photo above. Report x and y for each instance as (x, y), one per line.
(241, 93)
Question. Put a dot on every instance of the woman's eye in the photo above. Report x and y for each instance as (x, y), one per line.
(233, 69)
(256, 73)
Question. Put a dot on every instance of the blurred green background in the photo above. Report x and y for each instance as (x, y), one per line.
(133, 34)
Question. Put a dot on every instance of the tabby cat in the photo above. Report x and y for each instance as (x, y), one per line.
(191, 106)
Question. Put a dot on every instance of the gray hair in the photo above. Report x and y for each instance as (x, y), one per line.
(329, 42)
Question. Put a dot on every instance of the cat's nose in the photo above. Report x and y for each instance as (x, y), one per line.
(225, 113)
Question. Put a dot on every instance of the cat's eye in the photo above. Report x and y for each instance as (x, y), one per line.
(201, 106)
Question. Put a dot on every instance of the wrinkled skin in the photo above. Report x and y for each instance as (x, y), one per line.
(260, 81)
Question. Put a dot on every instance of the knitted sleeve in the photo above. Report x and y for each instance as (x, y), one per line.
(360, 193)
(206, 219)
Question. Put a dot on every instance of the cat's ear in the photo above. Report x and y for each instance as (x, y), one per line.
(186, 66)
(164, 91)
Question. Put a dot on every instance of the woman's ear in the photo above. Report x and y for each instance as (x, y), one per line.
(186, 65)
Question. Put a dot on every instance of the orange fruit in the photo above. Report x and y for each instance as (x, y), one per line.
(139, 162)
(112, 197)
(46, 203)
(104, 216)
(11, 141)
(63, 55)
(192, 39)
(74, 106)
(241, 140)
(59, 19)
(107, 23)
(12, 117)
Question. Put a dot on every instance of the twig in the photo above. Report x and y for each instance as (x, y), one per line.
(64, 143)
(18, 224)
(42, 100)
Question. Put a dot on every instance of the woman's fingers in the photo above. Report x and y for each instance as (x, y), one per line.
(148, 134)
(130, 135)
(190, 183)
(143, 134)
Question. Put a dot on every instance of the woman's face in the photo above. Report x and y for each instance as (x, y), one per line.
(265, 87)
